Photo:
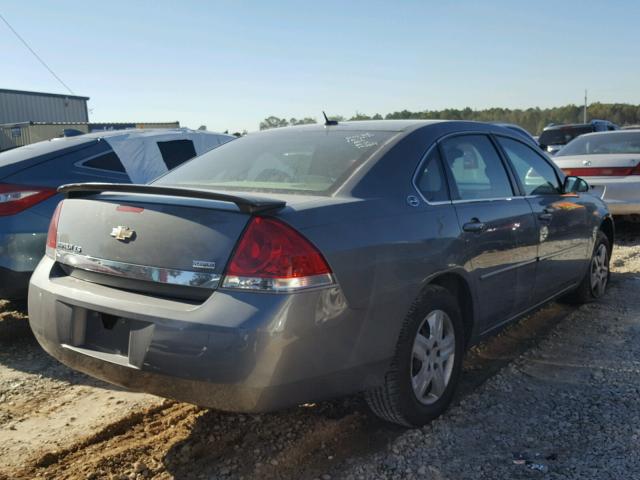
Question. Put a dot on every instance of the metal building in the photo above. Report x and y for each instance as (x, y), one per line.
(20, 106)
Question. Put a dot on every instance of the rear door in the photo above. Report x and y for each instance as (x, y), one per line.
(498, 226)
(561, 219)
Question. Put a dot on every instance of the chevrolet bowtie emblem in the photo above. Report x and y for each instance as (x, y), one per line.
(122, 233)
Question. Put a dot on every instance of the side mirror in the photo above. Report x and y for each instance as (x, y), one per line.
(575, 185)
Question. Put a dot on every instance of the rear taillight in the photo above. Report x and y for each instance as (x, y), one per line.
(603, 171)
(16, 198)
(52, 234)
(273, 256)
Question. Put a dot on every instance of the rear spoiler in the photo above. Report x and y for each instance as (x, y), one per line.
(245, 204)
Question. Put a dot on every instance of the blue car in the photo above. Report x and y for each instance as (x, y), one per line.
(30, 175)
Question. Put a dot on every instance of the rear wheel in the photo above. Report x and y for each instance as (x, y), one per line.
(423, 375)
(595, 282)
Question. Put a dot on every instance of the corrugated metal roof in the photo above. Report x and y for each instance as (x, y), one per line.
(44, 94)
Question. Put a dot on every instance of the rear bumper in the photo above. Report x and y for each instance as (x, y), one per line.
(237, 351)
(622, 195)
(21, 252)
(19, 255)
(13, 285)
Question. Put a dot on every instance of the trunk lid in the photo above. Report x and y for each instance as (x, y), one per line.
(167, 245)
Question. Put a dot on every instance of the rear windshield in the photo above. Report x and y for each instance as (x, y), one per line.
(614, 142)
(562, 136)
(280, 161)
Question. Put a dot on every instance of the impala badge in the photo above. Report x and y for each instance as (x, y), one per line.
(204, 265)
(124, 234)
(586, 163)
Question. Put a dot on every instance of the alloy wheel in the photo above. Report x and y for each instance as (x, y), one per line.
(433, 357)
(599, 271)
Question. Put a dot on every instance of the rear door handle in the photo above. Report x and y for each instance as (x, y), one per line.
(474, 226)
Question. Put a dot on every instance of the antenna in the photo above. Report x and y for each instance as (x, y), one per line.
(328, 122)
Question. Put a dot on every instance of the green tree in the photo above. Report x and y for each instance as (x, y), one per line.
(302, 121)
(273, 122)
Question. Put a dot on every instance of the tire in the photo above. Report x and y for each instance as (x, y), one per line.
(397, 400)
(590, 290)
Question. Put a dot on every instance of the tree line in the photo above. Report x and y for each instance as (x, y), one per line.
(532, 119)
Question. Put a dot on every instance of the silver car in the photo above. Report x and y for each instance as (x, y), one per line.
(610, 162)
(304, 263)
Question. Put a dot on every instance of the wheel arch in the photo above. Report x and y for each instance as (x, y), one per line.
(460, 288)
(608, 228)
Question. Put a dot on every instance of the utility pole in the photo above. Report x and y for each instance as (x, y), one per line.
(584, 118)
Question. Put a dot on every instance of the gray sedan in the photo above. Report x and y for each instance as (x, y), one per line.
(304, 263)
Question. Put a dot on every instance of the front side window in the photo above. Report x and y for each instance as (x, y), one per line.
(287, 160)
(476, 168)
(430, 179)
(535, 174)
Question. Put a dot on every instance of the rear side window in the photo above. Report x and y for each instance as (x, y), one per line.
(604, 144)
(535, 174)
(108, 161)
(430, 179)
(476, 168)
(281, 160)
(176, 152)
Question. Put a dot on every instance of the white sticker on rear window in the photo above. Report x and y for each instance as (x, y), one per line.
(363, 140)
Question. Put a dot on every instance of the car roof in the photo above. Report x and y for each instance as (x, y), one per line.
(567, 125)
(373, 125)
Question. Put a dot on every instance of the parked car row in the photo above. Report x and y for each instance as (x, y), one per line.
(30, 175)
(303, 263)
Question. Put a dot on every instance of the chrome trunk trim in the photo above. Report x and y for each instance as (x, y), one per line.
(167, 276)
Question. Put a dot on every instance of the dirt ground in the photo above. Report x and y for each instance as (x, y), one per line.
(58, 424)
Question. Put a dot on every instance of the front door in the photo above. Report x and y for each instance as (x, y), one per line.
(562, 227)
(498, 227)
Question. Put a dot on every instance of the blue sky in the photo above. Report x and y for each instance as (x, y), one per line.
(230, 64)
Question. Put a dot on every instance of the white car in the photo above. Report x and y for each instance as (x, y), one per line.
(610, 163)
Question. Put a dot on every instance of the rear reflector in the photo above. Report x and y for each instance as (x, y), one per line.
(52, 234)
(129, 209)
(603, 171)
(16, 198)
(273, 256)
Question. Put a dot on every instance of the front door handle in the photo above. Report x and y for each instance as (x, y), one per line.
(474, 226)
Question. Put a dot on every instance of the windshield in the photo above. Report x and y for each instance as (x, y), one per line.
(284, 161)
(562, 136)
(614, 142)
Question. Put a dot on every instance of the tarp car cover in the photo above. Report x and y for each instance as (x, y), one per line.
(140, 155)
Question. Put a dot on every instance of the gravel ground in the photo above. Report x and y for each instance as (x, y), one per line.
(554, 396)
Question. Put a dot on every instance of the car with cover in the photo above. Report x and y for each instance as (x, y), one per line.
(29, 177)
(298, 264)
